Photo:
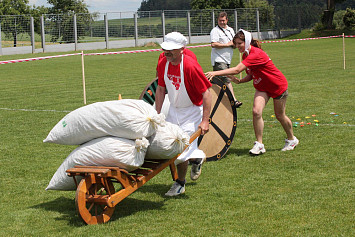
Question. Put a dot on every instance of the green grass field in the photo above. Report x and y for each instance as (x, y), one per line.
(306, 192)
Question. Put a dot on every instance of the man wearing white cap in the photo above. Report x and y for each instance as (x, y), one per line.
(190, 102)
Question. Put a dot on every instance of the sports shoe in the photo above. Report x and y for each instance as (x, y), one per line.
(237, 103)
(176, 189)
(196, 168)
(290, 144)
(257, 149)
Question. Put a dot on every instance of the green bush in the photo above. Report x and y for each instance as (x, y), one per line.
(338, 19)
(318, 26)
(349, 18)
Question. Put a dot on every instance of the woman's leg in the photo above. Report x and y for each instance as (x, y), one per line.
(260, 101)
(230, 87)
(280, 108)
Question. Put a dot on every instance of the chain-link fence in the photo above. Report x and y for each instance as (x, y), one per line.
(59, 29)
(15, 30)
(121, 25)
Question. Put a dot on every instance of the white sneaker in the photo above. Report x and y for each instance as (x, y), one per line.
(196, 168)
(290, 144)
(176, 189)
(257, 149)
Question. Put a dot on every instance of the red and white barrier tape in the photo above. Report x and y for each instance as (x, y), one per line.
(39, 58)
(155, 50)
(290, 40)
(141, 51)
(124, 52)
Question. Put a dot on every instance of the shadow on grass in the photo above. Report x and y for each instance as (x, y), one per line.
(245, 152)
(65, 206)
(127, 207)
(238, 152)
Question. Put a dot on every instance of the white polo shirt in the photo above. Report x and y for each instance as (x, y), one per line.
(223, 36)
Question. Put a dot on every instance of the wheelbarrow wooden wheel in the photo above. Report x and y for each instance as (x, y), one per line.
(90, 200)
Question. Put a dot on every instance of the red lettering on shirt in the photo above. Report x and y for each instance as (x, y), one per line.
(176, 80)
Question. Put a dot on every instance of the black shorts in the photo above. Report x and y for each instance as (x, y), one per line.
(282, 96)
(221, 66)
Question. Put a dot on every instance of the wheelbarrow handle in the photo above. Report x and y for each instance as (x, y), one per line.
(195, 135)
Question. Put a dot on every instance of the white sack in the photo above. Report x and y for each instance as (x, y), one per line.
(104, 151)
(167, 142)
(165, 107)
(126, 118)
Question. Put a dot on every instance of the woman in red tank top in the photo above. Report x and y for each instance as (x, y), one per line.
(269, 82)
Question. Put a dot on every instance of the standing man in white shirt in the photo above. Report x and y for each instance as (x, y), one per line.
(222, 50)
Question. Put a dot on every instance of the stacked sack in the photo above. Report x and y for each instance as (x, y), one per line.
(167, 142)
(114, 133)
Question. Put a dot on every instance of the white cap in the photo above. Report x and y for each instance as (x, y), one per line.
(173, 40)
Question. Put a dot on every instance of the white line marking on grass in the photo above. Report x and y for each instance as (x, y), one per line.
(344, 125)
(319, 124)
(37, 110)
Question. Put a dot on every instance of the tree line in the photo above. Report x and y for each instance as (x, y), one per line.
(273, 11)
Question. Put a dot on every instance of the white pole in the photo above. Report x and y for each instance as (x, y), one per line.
(344, 49)
(32, 29)
(83, 71)
(240, 60)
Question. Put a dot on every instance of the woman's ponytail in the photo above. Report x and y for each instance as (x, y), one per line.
(255, 43)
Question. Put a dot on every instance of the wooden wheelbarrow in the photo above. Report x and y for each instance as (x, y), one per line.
(96, 195)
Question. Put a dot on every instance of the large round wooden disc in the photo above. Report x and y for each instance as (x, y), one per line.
(223, 119)
(223, 122)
